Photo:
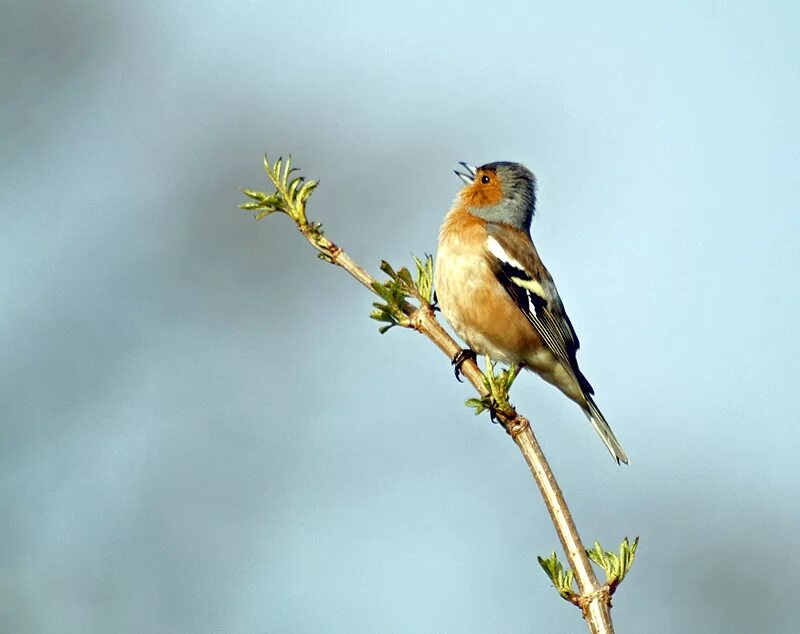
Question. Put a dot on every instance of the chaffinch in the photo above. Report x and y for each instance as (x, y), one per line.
(496, 293)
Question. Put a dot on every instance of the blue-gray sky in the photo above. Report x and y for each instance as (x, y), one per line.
(202, 431)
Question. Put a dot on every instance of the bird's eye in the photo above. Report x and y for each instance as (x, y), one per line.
(485, 179)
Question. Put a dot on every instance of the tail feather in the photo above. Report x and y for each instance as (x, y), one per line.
(604, 431)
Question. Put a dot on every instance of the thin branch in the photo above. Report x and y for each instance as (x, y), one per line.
(593, 598)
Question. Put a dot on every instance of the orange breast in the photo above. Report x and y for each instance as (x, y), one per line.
(472, 300)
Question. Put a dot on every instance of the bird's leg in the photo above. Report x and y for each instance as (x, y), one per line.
(458, 360)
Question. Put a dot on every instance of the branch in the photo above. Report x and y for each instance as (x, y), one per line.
(408, 303)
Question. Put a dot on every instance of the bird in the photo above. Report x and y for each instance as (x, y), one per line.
(496, 293)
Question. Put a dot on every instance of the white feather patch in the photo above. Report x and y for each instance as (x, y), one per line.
(500, 253)
(530, 285)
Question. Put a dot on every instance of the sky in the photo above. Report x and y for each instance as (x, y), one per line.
(201, 430)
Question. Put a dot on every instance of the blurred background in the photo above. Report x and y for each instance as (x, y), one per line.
(202, 431)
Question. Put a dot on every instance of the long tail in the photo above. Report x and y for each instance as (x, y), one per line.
(602, 428)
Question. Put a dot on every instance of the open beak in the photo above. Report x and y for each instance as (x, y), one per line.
(469, 177)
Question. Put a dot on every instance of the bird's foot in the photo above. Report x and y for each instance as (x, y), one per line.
(493, 409)
(458, 360)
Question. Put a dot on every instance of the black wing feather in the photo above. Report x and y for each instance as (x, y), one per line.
(546, 316)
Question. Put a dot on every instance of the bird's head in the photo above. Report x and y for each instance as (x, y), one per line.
(499, 192)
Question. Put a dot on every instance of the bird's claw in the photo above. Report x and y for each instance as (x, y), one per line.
(493, 412)
(458, 360)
